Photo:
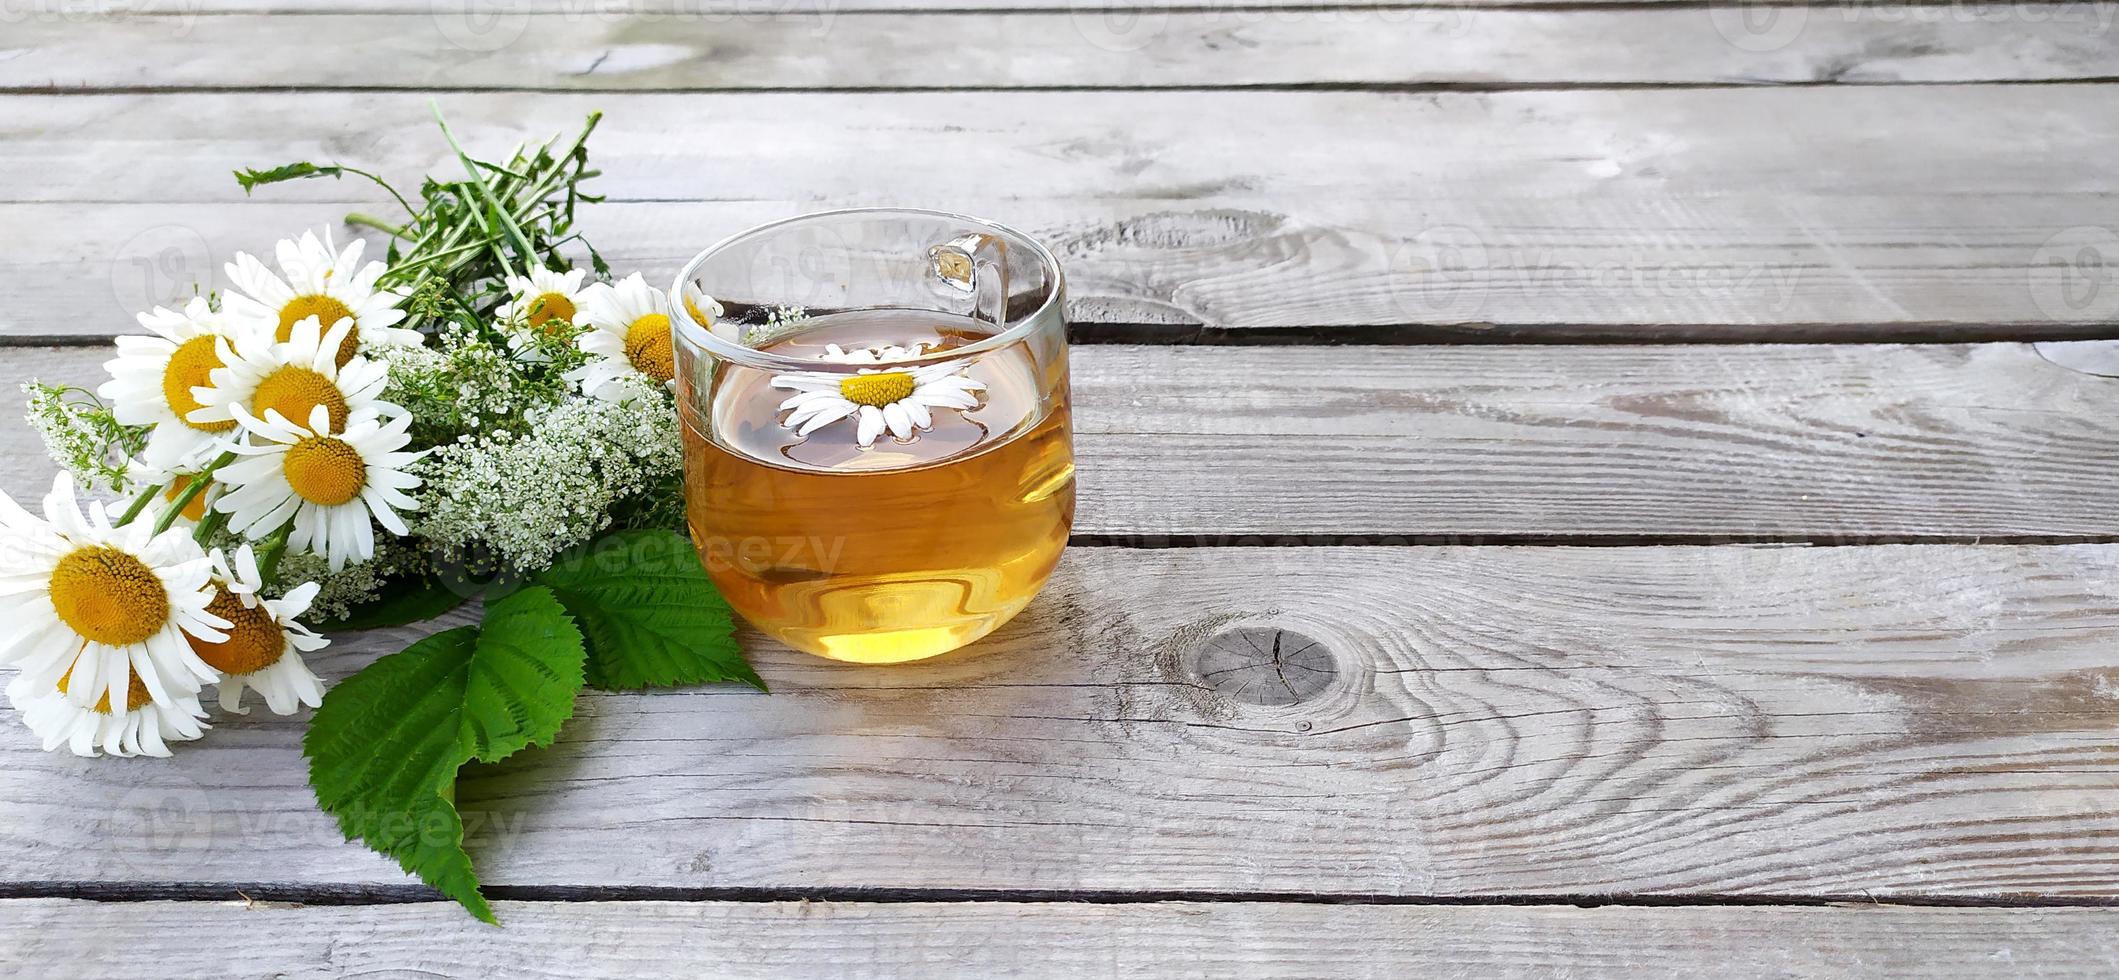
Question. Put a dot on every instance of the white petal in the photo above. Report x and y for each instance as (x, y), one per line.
(900, 423)
(871, 425)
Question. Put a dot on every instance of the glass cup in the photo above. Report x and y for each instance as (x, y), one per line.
(878, 465)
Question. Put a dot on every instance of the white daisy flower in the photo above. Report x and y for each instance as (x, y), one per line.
(896, 400)
(543, 303)
(628, 335)
(293, 377)
(319, 281)
(706, 310)
(153, 377)
(174, 483)
(97, 606)
(143, 728)
(873, 355)
(328, 483)
(264, 648)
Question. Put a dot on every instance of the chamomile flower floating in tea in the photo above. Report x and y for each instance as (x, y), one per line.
(318, 280)
(628, 334)
(900, 401)
(144, 727)
(152, 379)
(294, 377)
(265, 644)
(328, 483)
(543, 304)
(100, 607)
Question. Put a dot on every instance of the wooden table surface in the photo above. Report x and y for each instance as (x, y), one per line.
(1675, 443)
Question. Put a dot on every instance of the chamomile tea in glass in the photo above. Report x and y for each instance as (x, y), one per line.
(878, 465)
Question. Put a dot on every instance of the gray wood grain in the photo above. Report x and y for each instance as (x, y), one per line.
(725, 12)
(1097, 145)
(1724, 213)
(448, 49)
(1861, 722)
(984, 940)
(1390, 444)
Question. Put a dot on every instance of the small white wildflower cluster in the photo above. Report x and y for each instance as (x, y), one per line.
(294, 448)
(528, 496)
(79, 432)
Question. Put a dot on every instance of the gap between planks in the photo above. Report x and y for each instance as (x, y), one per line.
(342, 895)
(1089, 333)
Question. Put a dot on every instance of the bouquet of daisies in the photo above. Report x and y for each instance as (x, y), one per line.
(337, 443)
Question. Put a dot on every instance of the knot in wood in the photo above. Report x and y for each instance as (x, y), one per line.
(1265, 666)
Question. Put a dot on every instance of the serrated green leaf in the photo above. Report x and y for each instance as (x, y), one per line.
(650, 616)
(385, 747)
(252, 179)
(401, 601)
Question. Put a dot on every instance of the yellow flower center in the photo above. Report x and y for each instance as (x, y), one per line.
(647, 345)
(191, 366)
(551, 313)
(324, 470)
(697, 313)
(136, 696)
(255, 642)
(194, 511)
(877, 390)
(109, 596)
(294, 391)
(328, 311)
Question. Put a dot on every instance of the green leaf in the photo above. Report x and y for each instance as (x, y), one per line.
(253, 179)
(651, 617)
(385, 747)
(401, 601)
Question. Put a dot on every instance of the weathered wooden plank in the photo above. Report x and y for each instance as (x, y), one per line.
(1738, 441)
(733, 12)
(1652, 213)
(1877, 721)
(1779, 441)
(158, 148)
(1220, 47)
(1148, 269)
(983, 940)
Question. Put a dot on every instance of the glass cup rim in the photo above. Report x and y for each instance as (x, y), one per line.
(699, 336)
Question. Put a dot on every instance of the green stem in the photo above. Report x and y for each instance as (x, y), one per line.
(209, 526)
(138, 504)
(359, 220)
(544, 184)
(199, 482)
(379, 182)
(478, 182)
(275, 547)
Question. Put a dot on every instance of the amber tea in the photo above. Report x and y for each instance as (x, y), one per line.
(923, 539)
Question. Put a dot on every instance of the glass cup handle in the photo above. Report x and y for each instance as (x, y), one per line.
(976, 264)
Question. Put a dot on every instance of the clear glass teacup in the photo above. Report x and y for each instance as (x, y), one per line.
(878, 461)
